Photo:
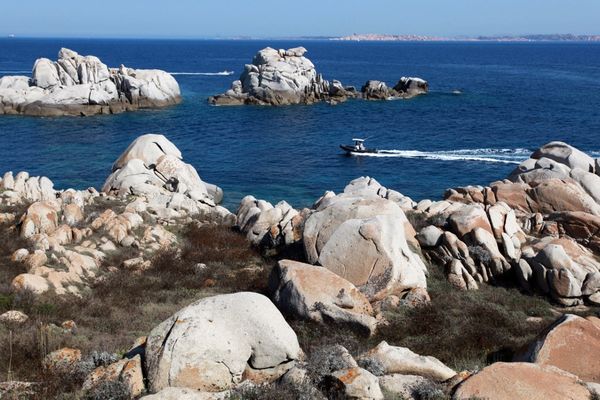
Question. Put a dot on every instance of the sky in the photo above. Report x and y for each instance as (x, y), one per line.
(272, 18)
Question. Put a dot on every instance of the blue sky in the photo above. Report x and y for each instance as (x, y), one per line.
(271, 18)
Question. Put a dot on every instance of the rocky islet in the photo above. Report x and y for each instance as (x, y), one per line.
(84, 85)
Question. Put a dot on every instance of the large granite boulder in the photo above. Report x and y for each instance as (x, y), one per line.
(83, 85)
(281, 77)
(152, 167)
(364, 238)
(572, 344)
(515, 381)
(40, 217)
(314, 293)
(215, 343)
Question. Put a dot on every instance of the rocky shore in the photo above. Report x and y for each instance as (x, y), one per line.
(284, 77)
(364, 263)
(83, 85)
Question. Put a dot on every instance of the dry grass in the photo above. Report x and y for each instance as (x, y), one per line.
(125, 304)
(467, 330)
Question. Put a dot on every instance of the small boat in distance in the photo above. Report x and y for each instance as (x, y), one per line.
(357, 148)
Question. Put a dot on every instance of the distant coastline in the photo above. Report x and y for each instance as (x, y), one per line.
(356, 37)
(373, 37)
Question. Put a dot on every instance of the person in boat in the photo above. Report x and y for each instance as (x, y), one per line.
(359, 144)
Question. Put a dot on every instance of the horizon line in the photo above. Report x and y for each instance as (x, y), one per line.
(423, 37)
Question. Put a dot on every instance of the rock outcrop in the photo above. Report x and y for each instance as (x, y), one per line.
(269, 226)
(315, 293)
(152, 167)
(365, 239)
(541, 224)
(83, 85)
(281, 226)
(282, 77)
(219, 341)
(406, 88)
(71, 232)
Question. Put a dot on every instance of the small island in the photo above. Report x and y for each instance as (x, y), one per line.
(284, 77)
(83, 85)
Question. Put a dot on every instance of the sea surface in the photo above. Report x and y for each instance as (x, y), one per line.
(490, 105)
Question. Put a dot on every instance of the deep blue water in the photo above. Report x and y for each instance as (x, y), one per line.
(514, 98)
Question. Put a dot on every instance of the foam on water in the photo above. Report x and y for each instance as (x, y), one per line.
(504, 156)
(222, 73)
(14, 72)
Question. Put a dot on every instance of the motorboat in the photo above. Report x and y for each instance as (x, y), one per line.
(357, 148)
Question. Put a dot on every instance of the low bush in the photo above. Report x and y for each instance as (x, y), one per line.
(467, 329)
(278, 391)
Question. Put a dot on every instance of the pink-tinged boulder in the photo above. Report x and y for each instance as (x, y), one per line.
(29, 282)
(126, 371)
(522, 381)
(41, 217)
(572, 344)
(469, 217)
(581, 226)
(314, 293)
(514, 195)
(554, 195)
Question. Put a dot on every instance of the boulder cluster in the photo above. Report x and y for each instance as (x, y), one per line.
(71, 232)
(359, 247)
(345, 260)
(83, 85)
(220, 345)
(283, 77)
(538, 228)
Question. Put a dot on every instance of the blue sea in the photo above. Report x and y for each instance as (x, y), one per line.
(490, 105)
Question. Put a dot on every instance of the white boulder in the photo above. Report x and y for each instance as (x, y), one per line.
(217, 342)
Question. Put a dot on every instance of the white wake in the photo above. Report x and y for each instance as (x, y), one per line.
(15, 72)
(222, 73)
(504, 156)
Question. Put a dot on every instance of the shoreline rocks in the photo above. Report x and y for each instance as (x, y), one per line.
(70, 233)
(83, 85)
